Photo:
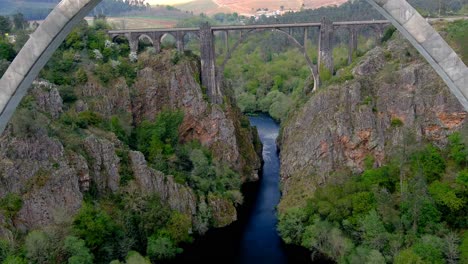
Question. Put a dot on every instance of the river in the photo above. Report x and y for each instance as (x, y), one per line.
(253, 238)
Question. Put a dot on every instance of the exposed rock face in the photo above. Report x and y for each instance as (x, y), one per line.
(37, 170)
(48, 98)
(214, 127)
(224, 213)
(104, 100)
(50, 170)
(179, 197)
(370, 115)
(104, 163)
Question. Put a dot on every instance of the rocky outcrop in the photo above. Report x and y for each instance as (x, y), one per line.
(37, 170)
(395, 96)
(104, 100)
(51, 153)
(104, 163)
(214, 126)
(48, 98)
(222, 210)
(177, 196)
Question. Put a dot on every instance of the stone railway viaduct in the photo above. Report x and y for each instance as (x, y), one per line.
(211, 75)
(46, 39)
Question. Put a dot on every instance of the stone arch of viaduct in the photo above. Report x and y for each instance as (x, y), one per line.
(51, 33)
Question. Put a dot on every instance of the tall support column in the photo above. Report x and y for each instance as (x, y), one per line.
(353, 43)
(378, 32)
(157, 44)
(180, 41)
(208, 66)
(326, 45)
(306, 36)
(226, 40)
(133, 42)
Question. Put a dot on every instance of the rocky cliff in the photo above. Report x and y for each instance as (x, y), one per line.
(394, 99)
(54, 152)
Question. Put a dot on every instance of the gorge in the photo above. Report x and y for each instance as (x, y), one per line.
(122, 157)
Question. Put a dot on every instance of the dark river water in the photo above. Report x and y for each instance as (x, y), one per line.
(253, 238)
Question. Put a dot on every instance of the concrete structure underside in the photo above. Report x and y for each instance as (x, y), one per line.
(51, 33)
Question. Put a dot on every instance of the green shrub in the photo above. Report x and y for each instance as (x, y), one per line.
(161, 136)
(388, 34)
(247, 103)
(68, 94)
(457, 149)
(134, 257)
(160, 248)
(291, 225)
(15, 260)
(88, 118)
(5, 249)
(396, 122)
(407, 256)
(39, 247)
(6, 51)
(445, 195)
(99, 231)
(430, 162)
(77, 250)
(10, 205)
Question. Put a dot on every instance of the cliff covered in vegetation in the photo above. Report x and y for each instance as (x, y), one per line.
(374, 166)
(115, 154)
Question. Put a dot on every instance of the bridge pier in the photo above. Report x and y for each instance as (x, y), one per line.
(180, 41)
(132, 42)
(226, 41)
(378, 31)
(208, 64)
(325, 58)
(157, 44)
(353, 43)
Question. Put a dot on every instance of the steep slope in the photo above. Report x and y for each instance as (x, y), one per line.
(71, 149)
(374, 167)
(394, 93)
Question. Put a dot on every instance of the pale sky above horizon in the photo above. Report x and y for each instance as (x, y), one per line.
(167, 2)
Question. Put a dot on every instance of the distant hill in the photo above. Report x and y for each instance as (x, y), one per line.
(250, 7)
(39, 9)
(32, 9)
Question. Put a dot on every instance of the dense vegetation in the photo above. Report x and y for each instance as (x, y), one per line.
(118, 227)
(18, 26)
(412, 210)
(269, 74)
(457, 36)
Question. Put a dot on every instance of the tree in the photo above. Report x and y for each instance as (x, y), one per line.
(291, 225)
(19, 21)
(161, 247)
(38, 247)
(79, 253)
(373, 231)
(451, 242)
(134, 257)
(407, 256)
(5, 25)
(6, 51)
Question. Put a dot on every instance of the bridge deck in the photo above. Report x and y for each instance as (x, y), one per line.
(250, 27)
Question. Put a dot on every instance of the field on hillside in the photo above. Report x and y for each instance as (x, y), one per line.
(203, 6)
(139, 22)
(250, 7)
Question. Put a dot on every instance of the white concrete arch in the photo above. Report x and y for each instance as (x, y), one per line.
(36, 53)
(51, 33)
